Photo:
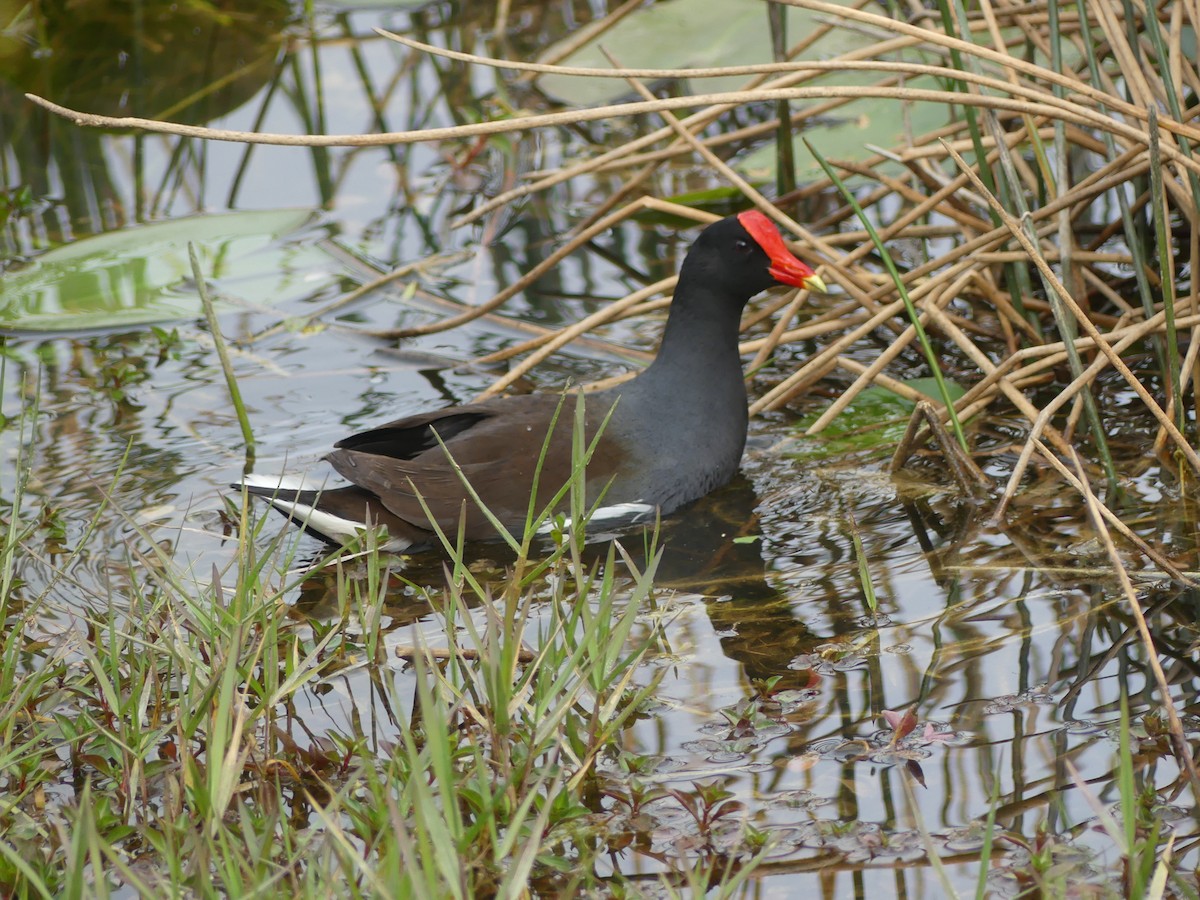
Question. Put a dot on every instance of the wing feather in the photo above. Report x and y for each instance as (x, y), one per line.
(496, 444)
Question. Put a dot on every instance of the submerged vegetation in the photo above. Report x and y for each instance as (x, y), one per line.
(961, 658)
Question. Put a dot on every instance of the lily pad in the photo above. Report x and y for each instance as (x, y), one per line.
(702, 33)
(141, 275)
(852, 134)
(873, 422)
(674, 34)
(929, 387)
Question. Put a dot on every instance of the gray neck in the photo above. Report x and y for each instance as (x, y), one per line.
(700, 343)
(692, 398)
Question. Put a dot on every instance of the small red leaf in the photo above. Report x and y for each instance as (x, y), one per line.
(902, 724)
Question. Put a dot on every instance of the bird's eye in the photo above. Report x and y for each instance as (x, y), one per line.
(741, 245)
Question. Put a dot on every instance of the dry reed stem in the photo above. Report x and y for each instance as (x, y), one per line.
(899, 388)
(930, 308)
(566, 335)
(633, 306)
(822, 361)
(350, 297)
(503, 296)
(1043, 105)
(1085, 323)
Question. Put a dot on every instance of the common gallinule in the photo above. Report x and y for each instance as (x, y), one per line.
(675, 432)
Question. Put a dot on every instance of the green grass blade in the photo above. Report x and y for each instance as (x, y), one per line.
(913, 316)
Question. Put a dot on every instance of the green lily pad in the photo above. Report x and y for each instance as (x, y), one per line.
(853, 133)
(703, 33)
(928, 387)
(674, 34)
(872, 423)
(140, 275)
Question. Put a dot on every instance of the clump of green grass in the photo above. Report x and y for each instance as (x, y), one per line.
(166, 747)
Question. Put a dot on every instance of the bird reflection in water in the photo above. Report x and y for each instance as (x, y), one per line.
(709, 549)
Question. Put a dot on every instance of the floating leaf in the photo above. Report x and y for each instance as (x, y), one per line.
(929, 387)
(902, 724)
(140, 275)
(852, 133)
(674, 34)
(875, 420)
(677, 34)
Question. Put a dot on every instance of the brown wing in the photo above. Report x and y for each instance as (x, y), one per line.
(496, 444)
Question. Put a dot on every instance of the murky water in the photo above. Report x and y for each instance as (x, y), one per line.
(1009, 641)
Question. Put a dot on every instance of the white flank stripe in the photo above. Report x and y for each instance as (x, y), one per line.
(333, 526)
(619, 514)
(283, 482)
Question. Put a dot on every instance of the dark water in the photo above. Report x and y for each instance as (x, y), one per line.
(997, 634)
